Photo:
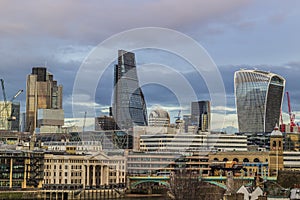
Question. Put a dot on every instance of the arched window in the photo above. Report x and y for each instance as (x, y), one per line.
(236, 160)
(225, 159)
(256, 160)
(216, 159)
(274, 144)
(279, 144)
(246, 160)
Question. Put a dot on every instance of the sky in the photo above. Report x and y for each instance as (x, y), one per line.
(234, 34)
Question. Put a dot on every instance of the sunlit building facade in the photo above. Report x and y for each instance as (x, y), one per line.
(42, 93)
(129, 107)
(258, 96)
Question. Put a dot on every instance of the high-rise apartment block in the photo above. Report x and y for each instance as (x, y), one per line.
(258, 96)
(43, 101)
(200, 115)
(129, 107)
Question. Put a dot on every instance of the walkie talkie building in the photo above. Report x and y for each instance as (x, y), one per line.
(258, 96)
(129, 107)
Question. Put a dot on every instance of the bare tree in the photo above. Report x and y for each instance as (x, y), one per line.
(185, 185)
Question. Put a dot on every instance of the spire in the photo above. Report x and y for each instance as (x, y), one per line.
(276, 127)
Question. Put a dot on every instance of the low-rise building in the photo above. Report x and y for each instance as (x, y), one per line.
(191, 142)
(83, 171)
(291, 160)
(21, 169)
(156, 163)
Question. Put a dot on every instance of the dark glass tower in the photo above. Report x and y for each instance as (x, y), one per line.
(200, 115)
(258, 97)
(129, 107)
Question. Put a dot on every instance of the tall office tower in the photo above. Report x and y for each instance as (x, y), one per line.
(200, 115)
(9, 116)
(258, 96)
(43, 100)
(129, 107)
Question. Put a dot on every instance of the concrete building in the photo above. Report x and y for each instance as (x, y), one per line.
(50, 120)
(200, 115)
(83, 171)
(291, 160)
(258, 96)
(183, 142)
(42, 92)
(129, 106)
(159, 118)
(9, 116)
(162, 163)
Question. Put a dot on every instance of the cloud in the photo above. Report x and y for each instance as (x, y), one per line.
(62, 33)
(89, 20)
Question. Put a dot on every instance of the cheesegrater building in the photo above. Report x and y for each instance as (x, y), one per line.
(129, 107)
(258, 96)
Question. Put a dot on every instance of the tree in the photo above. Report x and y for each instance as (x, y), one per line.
(185, 185)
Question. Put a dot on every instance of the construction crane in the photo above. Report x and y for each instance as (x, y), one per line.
(178, 120)
(4, 97)
(282, 125)
(178, 116)
(292, 116)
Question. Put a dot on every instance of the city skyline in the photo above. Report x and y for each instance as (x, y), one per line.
(236, 34)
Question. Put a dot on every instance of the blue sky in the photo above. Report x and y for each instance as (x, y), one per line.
(235, 33)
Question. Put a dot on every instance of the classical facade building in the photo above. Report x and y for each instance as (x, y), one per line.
(258, 97)
(83, 171)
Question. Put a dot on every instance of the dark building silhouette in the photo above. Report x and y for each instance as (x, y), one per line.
(258, 96)
(129, 107)
(200, 115)
(105, 123)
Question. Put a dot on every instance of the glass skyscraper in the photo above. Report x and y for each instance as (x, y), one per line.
(258, 96)
(129, 107)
